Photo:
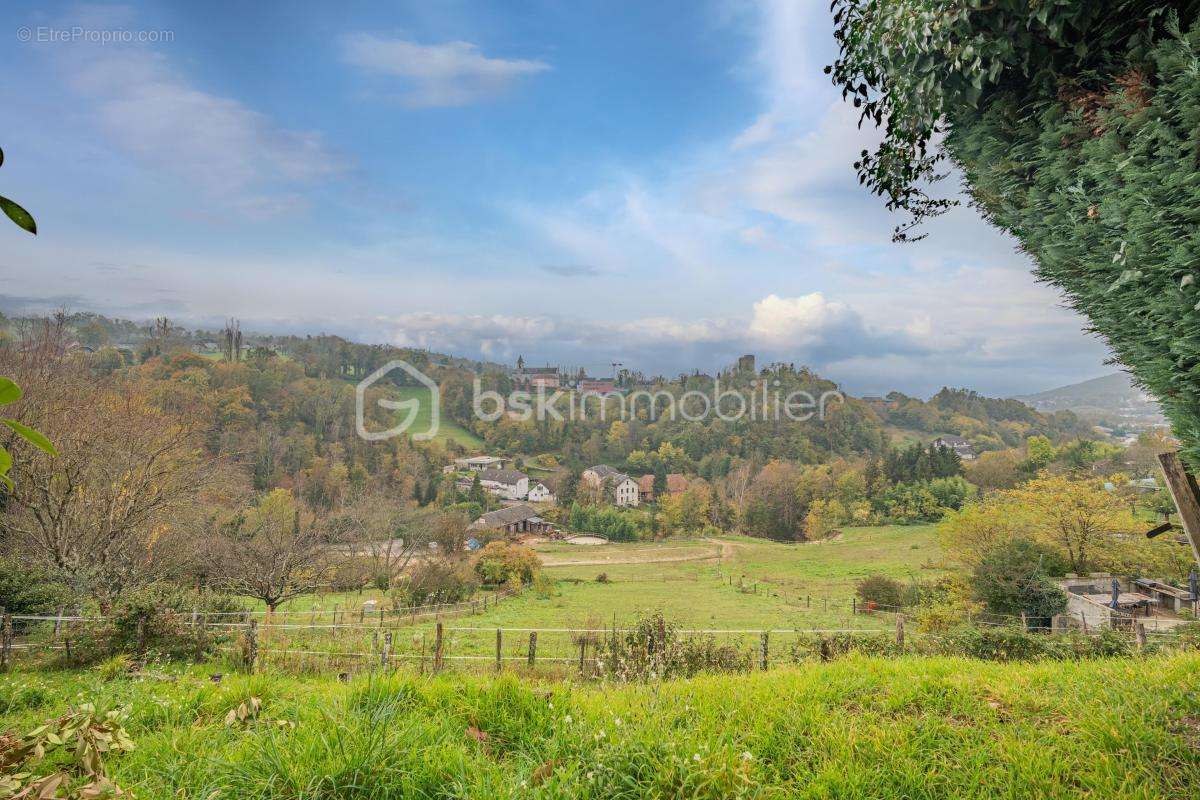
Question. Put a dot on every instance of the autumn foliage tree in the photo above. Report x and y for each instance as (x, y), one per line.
(127, 484)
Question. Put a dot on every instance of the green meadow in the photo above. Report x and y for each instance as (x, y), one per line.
(857, 728)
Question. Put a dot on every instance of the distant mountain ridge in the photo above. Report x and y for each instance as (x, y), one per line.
(1111, 396)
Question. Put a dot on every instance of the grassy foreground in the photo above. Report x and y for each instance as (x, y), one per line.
(858, 728)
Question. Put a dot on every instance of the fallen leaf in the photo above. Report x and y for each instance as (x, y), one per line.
(542, 773)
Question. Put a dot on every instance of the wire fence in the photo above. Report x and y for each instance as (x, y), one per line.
(301, 642)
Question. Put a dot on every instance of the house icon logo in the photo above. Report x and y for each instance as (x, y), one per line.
(410, 406)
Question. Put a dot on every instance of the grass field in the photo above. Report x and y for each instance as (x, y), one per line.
(857, 728)
(448, 430)
(703, 582)
(733, 583)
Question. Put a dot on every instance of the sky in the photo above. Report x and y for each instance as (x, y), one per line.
(665, 185)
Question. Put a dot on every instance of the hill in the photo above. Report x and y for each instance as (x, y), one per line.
(1112, 397)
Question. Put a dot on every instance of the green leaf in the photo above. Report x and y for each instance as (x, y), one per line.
(34, 437)
(5, 463)
(1, 156)
(18, 215)
(9, 391)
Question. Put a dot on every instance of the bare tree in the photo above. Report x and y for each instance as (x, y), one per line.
(388, 536)
(275, 551)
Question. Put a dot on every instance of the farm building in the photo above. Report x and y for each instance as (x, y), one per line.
(479, 463)
(514, 519)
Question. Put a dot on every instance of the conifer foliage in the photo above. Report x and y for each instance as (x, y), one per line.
(1077, 127)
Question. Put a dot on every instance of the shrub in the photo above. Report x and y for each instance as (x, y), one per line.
(885, 592)
(654, 649)
(501, 562)
(29, 589)
(1011, 579)
(154, 620)
(434, 581)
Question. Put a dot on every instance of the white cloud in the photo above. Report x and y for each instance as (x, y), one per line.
(237, 158)
(448, 74)
(798, 321)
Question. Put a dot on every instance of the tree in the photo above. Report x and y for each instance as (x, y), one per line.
(275, 551)
(129, 480)
(773, 508)
(388, 536)
(1073, 126)
(995, 469)
(1078, 516)
(1012, 578)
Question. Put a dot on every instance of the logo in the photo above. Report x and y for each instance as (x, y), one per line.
(412, 405)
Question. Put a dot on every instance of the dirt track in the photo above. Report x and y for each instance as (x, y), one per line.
(561, 560)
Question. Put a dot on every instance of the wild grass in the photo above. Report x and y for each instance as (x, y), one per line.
(857, 728)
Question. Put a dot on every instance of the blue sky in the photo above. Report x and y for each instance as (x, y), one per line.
(663, 184)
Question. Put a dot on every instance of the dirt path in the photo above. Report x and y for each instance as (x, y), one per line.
(556, 560)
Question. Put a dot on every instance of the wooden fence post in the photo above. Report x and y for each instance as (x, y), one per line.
(1024, 622)
(198, 634)
(141, 636)
(1139, 635)
(532, 648)
(763, 652)
(386, 653)
(1186, 495)
(251, 645)
(499, 650)
(437, 648)
(5, 638)
(58, 618)
(900, 631)
(582, 654)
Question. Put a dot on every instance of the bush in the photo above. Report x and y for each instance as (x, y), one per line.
(434, 581)
(653, 650)
(155, 621)
(615, 524)
(1011, 579)
(28, 589)
(501, 562)
(884, 592)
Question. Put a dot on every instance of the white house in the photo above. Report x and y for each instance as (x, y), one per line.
(479, 463)
(539, 493)
(625, 488)
(507, 483)
(958, 444)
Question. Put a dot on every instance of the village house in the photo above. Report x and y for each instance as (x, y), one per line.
(540, 493)
(958, 444)
(625, 488)
(509, 484)
(597, 385)
(534, 377)
(676, 483)
(514, 519)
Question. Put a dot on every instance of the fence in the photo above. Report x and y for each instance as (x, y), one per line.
(299, 644)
